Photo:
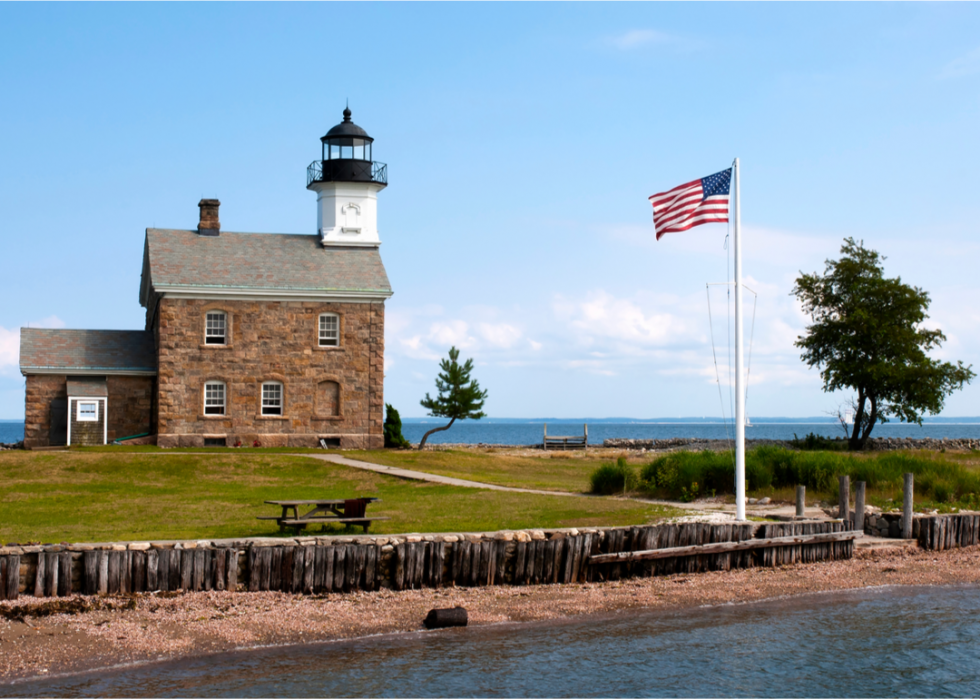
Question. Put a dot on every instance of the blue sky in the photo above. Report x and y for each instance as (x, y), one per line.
(522, 142)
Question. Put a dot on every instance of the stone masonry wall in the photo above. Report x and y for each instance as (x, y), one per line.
(271, 341)
(130, 405)
(41, 390)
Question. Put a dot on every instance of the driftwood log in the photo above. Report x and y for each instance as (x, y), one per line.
(724, 547)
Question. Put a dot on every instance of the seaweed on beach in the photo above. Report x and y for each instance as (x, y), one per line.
(70, 605)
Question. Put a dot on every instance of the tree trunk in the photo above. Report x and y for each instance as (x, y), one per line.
(855, 443)
(862, 429)
(437, 429)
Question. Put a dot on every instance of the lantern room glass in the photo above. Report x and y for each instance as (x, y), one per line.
(347, 149)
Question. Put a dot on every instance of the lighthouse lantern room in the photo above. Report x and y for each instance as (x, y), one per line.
(347, 182)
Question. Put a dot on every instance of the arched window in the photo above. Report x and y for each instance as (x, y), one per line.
(272, 395)
(216, 328)
(329, 330)
(214, 398)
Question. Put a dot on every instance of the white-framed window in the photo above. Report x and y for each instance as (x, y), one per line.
(88, 411)
(272, 398)
(329, 330)
(216, 328)
(214, 398)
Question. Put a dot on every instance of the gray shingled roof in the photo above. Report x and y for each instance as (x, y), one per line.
(258, 261)
(88, 387)
(86, 350)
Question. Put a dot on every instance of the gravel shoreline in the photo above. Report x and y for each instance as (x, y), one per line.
(153, 627)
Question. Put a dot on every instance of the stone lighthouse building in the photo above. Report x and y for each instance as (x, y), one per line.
(269, 338)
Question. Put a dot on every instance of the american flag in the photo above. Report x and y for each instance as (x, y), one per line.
(691, 204)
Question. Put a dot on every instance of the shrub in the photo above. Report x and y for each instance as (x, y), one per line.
(680, 475)
(393, 430)
(816, 442)
(610, 479)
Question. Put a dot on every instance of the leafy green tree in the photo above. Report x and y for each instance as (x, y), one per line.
(459, 398)
(867, 336)
(393, 430)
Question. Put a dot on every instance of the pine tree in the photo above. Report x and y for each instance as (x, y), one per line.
(459, 398)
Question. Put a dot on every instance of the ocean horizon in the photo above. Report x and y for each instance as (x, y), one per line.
(526, 431)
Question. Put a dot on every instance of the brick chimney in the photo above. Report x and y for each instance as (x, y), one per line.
(209, 223)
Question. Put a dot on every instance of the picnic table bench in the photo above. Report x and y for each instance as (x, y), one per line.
(349, 511)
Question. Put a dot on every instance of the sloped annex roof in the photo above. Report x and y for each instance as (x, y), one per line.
(179, 260)
(44, 350)
(87, 387)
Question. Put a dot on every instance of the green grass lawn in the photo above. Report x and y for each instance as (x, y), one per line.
(562, 471)
(104, 496)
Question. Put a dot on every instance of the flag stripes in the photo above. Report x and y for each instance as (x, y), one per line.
(692, 204)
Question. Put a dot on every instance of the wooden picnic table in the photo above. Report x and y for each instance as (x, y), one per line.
(349, 511)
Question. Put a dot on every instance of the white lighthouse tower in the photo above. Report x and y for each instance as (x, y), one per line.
(347, 181)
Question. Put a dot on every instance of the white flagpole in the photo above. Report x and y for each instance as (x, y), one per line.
(739, 388)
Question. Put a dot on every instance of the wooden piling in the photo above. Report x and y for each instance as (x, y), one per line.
(399, 578)
(139, 571)
(411, 553)
(231, 584)
(360, 560)
(163, 570)
(520, 555)
(90, 572)
(328, 574)
(844, 498)
(859, 491)
(220, 563)
(187, 569)
(907, 502)
(438, 564)
(800, 500)
(10, 588)
(276, 568)
(51, 579)
(175, 568)
(371, 568)
(126, 572)
(197, 573)
(40, 571)
(296, 575)
(308, 555)
(113, 574)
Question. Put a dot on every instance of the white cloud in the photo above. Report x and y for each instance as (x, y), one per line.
(632, 324)
(9, 349)
(499, 334)
(453, 333)
(639, 37)
(968, 64)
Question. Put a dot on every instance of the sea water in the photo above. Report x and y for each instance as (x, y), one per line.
(902, 642)
(518, 432)
(488, 431)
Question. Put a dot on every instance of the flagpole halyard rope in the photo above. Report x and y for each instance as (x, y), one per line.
(721, 399)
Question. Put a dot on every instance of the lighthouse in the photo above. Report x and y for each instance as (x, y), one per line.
(347, 180)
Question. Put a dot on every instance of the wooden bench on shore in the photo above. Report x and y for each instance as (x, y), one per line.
(562, 442)
(350, 511)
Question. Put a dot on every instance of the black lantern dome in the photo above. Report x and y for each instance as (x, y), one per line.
(347, 151)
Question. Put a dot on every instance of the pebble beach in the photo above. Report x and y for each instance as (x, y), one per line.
(84, 634)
